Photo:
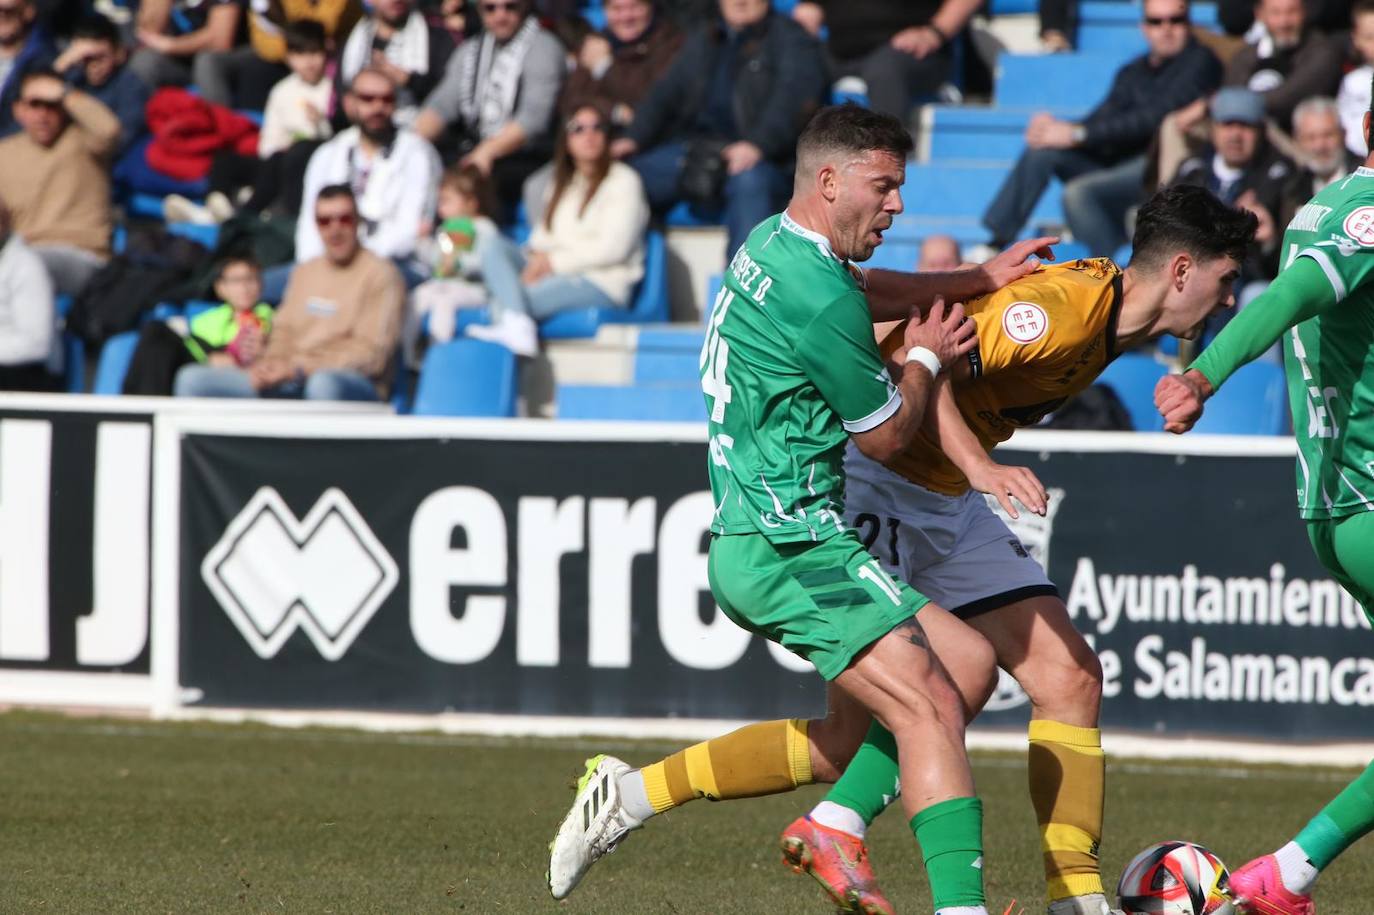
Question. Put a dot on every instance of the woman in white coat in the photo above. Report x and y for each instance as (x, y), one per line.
(588, 250)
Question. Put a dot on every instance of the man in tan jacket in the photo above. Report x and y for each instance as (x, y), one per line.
(336, 331)
(56, 177)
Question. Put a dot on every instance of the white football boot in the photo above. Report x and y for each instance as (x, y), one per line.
(595, 825)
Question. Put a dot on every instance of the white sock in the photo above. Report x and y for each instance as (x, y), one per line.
(963, 910)
(633, 797)
(1296, 872)
(828, 813)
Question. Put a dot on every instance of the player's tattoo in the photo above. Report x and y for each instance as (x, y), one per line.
(914, 633)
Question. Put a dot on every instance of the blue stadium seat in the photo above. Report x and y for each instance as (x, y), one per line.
(1253, 401)
(115, 357)
(466, 377)
(684, 216)
(941, 190)
(668, 356)
(205, 235)
(73, 363)
(1067, 81)
(962, 133)
(661, 403)
(1133, 377)
(648, 306)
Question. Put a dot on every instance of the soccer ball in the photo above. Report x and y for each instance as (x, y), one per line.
(1175, 878)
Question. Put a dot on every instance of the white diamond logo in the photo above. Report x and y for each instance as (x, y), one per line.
(325, 574)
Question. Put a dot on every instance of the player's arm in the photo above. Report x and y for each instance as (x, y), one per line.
(929, 346)
(945, 424)
(893, 295)
(1300, 292)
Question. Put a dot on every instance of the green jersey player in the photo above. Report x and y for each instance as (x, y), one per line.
(1322, 305)
(791, 373)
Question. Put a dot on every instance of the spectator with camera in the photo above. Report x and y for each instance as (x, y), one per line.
(719, 129)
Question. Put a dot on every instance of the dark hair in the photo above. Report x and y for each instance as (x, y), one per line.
(563, 167)
(1190, 218)
(1361, 7)
(334, 191)
(231, 260)
(469, 181)
(97, 28)
(38, 73)
(850, 128)
(304, 36)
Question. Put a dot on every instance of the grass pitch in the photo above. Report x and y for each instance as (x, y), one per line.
(106, 816)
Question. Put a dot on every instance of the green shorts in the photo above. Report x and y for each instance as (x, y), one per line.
(1346, 547)
(825, 601)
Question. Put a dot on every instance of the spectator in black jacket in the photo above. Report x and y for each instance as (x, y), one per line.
(1101, 159)
(728, 114)
(901, 51)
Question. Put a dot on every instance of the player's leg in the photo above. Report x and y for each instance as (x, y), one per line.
(1038, 645)
(1281, 883)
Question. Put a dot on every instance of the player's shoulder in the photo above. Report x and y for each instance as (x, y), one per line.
(1343, 211)
(1057, 300)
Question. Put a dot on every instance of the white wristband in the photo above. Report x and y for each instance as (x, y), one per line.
(925, 357)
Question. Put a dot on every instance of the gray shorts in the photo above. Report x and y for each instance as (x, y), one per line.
(953, 549)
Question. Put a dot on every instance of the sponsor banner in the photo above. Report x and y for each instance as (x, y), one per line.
(75, 481)
(326, 566)
(539, 577)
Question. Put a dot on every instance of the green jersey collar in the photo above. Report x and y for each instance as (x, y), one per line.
(796, 228)
(1363, 171)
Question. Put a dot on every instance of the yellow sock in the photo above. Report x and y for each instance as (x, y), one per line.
(767, 758)
(1067, 779)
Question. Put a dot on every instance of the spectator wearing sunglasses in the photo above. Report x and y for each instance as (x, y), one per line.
(393, 173)
(495, 103)
(24, 46)
(335, 334)
(1102, 158)
(56, 177)
(586, 251)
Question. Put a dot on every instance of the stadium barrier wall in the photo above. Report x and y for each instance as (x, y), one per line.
(75, 539)
(324, 562)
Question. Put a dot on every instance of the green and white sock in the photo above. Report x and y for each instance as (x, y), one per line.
(951, 837)
(1341, 823)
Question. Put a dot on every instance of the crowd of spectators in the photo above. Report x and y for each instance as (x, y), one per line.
(503, 154)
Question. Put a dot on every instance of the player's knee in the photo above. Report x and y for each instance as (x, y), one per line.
(928, 703)
(1072, 683)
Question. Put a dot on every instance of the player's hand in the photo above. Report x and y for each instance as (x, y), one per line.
(945, 333)
(1179, 399)
(1021, 259)
(1004, 483)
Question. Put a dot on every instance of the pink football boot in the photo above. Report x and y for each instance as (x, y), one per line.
(1257, 890)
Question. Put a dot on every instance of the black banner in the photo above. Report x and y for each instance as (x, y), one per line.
(563, 578)
(568, 578)
(75, 534)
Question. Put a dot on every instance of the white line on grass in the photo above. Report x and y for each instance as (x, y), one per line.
(587, 745)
